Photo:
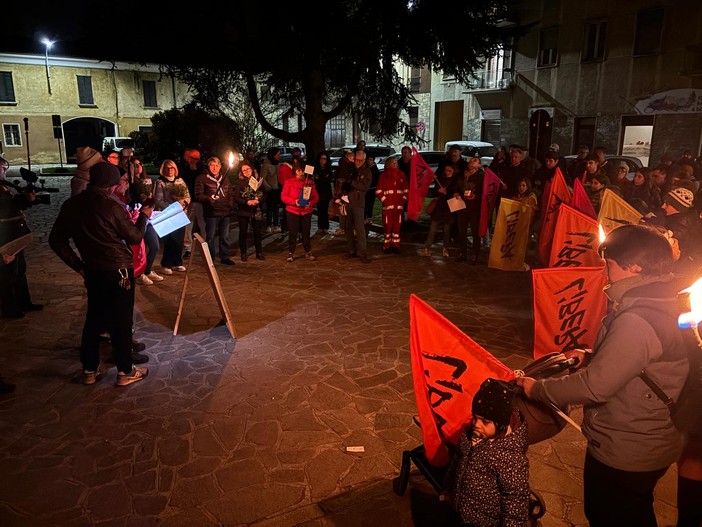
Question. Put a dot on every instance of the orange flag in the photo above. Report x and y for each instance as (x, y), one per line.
(558, 193)
(447, 369)
(491, 188)
(509, 242)
(421, 176)
(581, 201)
(569, 304)
(615, 212)
(575, 240)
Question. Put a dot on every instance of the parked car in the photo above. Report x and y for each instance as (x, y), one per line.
(486, 151)
(286, 154)
(117, 143)
(380, 152)
(633, 162)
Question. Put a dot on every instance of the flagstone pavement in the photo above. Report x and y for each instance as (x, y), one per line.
(253, 430)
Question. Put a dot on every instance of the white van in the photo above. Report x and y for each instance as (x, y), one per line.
(117, 143)
(486, 151)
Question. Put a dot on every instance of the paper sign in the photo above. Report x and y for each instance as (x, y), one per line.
(255, 184)
(456, 204)
(309, 169)
(305, 194)
(169, 219)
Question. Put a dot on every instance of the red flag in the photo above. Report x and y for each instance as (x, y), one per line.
(558, 193)
(447, 369)
(491, 188)
(581, 201)
(569, 304)
(575, 240)
(421, 176)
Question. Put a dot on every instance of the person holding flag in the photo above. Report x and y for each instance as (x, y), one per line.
(473, 178)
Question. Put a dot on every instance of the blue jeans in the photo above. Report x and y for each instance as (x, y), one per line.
(218, 226)
(152, 243)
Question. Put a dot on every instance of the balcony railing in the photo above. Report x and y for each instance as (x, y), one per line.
(490, 80)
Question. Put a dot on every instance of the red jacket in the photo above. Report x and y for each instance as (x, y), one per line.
(392, 189)
(291, 193)
(284, 173)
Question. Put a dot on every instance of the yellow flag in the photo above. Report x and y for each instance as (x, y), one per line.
(615, 212)
(509, 242)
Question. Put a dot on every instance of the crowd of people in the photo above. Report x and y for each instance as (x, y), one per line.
(103, 233)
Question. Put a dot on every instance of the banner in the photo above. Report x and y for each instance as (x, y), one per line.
(558, 193)
(447, 369)
(511, 236)
(581, 201)
(575, 240)
(615, 212)
(421, 176)
(491, 188)
(569, 304)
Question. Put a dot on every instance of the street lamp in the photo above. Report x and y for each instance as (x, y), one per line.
(48, 43)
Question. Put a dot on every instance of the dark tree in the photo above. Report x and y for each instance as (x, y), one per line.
(315, 60)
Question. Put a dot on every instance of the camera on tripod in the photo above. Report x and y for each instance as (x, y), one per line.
(41, 192)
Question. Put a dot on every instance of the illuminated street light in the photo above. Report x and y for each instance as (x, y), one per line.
(48, 43)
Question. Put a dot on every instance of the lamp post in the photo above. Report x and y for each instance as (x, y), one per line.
(47, 43)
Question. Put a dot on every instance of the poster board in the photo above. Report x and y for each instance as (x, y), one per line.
(199, 243)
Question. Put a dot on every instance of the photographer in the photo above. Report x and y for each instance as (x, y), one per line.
(15, 299)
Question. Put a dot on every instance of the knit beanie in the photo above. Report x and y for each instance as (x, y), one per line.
(494, 401)
(104, 175)
(679, 198)
(87, 157)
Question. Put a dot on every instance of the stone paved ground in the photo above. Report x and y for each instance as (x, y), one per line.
(253, 430)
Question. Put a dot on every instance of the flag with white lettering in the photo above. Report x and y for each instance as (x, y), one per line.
(491, 188)
(447, 369)
(569, 304)
(511, 236)
(421, 176)
(575, 240)
(615, 212)
(558, 193)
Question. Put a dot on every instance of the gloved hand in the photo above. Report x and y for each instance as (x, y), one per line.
(346, 186)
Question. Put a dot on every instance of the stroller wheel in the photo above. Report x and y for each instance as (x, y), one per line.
(537, 506)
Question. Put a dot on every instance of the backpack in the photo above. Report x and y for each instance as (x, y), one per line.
(686, 412)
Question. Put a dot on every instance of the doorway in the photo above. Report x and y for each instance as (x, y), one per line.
(540, 132)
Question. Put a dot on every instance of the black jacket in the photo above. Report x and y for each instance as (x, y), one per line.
(101, 229)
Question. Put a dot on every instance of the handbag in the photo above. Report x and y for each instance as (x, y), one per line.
(432, 205)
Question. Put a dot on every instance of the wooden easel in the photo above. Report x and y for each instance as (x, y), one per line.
(214, 282)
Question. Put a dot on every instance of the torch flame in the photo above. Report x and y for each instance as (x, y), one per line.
(231, 159)
(601, 230)
(693, 318)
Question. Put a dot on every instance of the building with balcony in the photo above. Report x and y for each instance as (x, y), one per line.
(623, 74)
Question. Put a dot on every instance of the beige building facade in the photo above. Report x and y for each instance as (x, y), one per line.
(50, 105)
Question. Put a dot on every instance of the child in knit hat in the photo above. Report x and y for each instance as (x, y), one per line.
(488, 479)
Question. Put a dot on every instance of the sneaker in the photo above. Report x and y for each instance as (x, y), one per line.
(425, 252)
(310, 257)
(445, 253)
(138, 346)
(166, 270)
(179, 268)
(155, 277)
(144, 280)
(137, 374)
(91, 377)
(290, 257)
(139, 358)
